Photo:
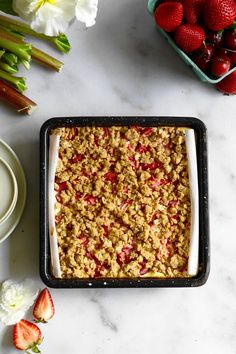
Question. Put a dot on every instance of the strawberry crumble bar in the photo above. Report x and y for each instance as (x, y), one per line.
(122, 202)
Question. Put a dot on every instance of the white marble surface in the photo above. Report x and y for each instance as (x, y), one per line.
(123, 67)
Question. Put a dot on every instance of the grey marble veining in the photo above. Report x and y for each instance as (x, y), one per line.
(123, 67)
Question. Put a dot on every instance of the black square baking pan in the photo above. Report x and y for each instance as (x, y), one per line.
(199, 186)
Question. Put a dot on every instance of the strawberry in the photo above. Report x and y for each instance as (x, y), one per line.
(27, 336)
(228, 84)
(189, 37)
(44, 307)
(193, 10)
(219, 14)
(169, 15)
(111, 176)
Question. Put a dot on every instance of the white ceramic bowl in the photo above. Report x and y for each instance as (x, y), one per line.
(8, 191)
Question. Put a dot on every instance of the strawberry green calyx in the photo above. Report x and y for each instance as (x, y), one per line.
(60, 41)
(233, 26)
(18, 82)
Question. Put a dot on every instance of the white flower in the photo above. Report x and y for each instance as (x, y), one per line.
(50, 17)
(15, 300)
(86, 11)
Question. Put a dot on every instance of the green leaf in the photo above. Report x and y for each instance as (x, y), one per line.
(6, 6)
(35, 349)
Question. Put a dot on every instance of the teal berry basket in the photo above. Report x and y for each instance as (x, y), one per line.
(152, 4)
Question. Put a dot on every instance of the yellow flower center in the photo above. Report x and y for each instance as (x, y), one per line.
(42, 2)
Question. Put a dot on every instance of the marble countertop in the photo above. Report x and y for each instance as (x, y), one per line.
(123, 67)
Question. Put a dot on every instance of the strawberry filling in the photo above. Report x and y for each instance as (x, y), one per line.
(106, 132)
(142, 148)
(106, 231)
(62, 187)
(111, 176)
(76, 158)
(90, 199)
(151, 166)
(154, 183)
(74, 133)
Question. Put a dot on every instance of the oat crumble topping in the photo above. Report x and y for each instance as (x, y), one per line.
(123, 202)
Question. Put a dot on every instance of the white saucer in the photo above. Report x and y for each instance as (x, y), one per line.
(8, 226)
(8, 190)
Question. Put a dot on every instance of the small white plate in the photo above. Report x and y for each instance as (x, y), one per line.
(8, 155)
(8, 190)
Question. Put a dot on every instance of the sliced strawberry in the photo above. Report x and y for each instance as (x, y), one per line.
(62, 187)
(96, 140)
(143, 269)
(44, 307)
(133, 162)
(151, 166)
(83, 239)
(57, 219)
(76, 158)
(106, 132)
(111, 176)
(173, 203)
(26, 336)
(142, 148)
(154, 217)
(78, 195)
(90, 256)
(74, 133)
(124, 256)
(106, 231)
(125, 203)
(154, 182)
(144, 131)
(90, 199)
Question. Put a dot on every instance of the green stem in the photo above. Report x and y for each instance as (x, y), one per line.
(2, 53)
(60, 41)
(23, 51)
(22, 103)
(44, 58)
(18, 82)
(37, 54)
(10, 58)
(8, 68)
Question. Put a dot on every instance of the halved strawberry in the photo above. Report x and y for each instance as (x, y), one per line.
(27, 336)
(44, 307)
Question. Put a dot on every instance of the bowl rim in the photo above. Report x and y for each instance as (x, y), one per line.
(12, 204)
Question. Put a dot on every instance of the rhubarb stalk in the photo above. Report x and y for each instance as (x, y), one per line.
(36, 53)
(22, 50)
(11, 69)
(60, 41)
(18, 82)
(22, 103)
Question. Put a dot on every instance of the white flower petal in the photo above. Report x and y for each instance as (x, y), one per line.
(86, 11)
(48, 17)
(15, 300)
